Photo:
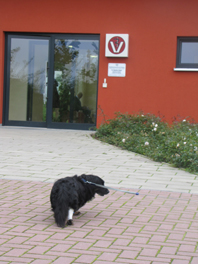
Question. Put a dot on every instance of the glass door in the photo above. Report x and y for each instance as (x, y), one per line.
(27, 81)
(75, 80)
(51, 81)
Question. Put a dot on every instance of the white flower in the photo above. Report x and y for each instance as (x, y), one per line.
(156, 125)
(154, 129)
(146, 143)
(184, 143)
(195, 148)
(177, 145)
(142, 115)
(123, 140)
(184, 138)
(153, 123)
(184, 120)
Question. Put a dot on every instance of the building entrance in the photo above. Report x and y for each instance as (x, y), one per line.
(51, 81)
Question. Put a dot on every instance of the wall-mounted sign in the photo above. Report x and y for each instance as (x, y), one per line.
(116, 45)
(116, 69)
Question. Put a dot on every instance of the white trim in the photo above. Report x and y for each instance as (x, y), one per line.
(185, 69)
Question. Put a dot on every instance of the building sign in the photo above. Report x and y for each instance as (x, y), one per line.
(116, 69)
(116, 45)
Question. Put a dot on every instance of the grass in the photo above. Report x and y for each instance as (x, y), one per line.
(149, 135)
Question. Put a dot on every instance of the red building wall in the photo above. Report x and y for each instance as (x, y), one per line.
(150, 84)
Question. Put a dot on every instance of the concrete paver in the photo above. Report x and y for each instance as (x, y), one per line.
(48, 154)
(158, 226)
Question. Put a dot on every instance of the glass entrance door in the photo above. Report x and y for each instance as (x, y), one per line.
(27, 85)
(51, 81)
(75, 80)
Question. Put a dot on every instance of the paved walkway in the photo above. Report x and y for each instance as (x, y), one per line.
(158, 226)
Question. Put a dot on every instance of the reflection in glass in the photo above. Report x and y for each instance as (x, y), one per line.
(28, 78)
(75, 85)
(189, 53)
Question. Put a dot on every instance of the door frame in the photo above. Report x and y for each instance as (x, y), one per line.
(48, 123)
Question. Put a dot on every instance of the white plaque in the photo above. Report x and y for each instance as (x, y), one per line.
(117, 69)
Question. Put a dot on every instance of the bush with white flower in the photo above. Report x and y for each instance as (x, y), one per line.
(151, 136)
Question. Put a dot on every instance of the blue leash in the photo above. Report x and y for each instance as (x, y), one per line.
(106, 187)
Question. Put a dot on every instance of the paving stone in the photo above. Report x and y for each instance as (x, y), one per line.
(108, 256)
(36, 160)
(158, 226)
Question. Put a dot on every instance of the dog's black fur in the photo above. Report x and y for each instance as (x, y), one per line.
(73, 192)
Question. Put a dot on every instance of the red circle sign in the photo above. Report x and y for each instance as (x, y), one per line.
(116, 45)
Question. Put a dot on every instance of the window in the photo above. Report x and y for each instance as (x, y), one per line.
(187, 53)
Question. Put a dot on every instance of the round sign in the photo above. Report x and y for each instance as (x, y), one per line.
(116, 45)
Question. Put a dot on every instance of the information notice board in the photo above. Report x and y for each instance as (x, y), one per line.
(116, 69)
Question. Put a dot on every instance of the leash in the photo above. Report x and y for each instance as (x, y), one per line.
(106, 187)
(136, 193)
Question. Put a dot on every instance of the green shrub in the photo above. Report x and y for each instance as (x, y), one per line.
(148, 135)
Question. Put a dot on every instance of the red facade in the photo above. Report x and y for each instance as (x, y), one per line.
(151, 84)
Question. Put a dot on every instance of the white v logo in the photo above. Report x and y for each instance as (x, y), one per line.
(119, 47)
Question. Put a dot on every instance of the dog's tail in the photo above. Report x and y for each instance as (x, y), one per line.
(61, 208)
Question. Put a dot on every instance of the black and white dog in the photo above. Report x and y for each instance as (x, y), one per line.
(70, 193)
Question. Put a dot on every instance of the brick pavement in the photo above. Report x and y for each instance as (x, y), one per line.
(154, 227)
(158, 226)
